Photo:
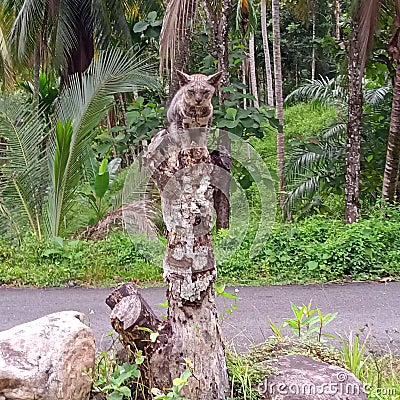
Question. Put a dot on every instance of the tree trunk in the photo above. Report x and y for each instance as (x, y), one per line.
(279, 101)
(180, 58)
(253, 73)
(391, 174)
(337, 19)
(219, 23)
(191, 336)
(313, 61)
(353, 146)
(267, 58)
(244, 72)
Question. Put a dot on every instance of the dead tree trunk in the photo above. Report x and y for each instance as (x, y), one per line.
(190, 337)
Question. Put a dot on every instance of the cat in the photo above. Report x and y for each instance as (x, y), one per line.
(191, 106)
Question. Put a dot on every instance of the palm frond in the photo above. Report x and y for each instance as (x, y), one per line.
(335, 132)
(376, 96)
(324, 90)
(84, 102)
(64, 30)
(137, 203)
(367, 16)
(178, 19)
(5, 60)
(109, 17)
(304, 188)
(27, 26)
(21, 164)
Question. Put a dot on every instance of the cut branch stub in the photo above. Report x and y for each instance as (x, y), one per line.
(130, 314)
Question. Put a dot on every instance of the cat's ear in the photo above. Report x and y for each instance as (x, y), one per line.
(214, 79)
(184, 79)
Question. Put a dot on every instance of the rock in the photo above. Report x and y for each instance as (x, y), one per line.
(301, 377)
(47, 359)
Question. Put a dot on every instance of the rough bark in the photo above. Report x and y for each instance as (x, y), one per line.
(279, 101)
(313, 61)
(353, 145)
(267, 57)
(191, 336)
(393, 147)
(253, 73)
(337, 19)
(219, 23)
(391, 174)
(184, 179)
(221, 159)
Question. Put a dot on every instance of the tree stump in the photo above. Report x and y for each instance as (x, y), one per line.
(191, 336)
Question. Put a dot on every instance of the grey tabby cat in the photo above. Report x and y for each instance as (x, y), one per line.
(191, 106)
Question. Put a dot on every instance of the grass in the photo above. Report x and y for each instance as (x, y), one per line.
(52, 263)
(314, 250)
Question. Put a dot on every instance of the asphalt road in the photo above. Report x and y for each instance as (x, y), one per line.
(376, 305)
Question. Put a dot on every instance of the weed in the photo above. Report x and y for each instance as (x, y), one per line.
(305, 324)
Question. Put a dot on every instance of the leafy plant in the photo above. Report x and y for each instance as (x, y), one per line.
(41, 171)
(177, 385)
(353, 353)
(101, 181)
(245, 123)
(220, 291)
(116, 386)
(149, 27)
(308, 322)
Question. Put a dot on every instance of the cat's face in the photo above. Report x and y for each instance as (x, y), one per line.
(198, 89)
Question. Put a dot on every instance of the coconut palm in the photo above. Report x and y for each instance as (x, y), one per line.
(65, 32)
(41, 165)
(319, 161)
(363, 25)
(267, 57)
(276, 32)
(391, 174)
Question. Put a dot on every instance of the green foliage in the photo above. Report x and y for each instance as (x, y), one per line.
(244, 123)
(116, 380)
(150, 27)
(318, 249)
(42, 172)
(101, 178)
(308, 119)
(308, 323)
(23, 169)
(58, 262)
(353, 354)
(142, 118)
(177, 385)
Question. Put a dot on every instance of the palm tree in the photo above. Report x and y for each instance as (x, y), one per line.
(279, 100)
(6, 69)
(267, 57)
(363, 27)
(318, 162)
(43, 165)
(64, 31)
(176, 35)
(391, 174)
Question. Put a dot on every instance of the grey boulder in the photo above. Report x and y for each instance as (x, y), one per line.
(50, 358)
(301, 377)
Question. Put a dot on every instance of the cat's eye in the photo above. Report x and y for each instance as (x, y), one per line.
(191, 92)
(206, 91)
